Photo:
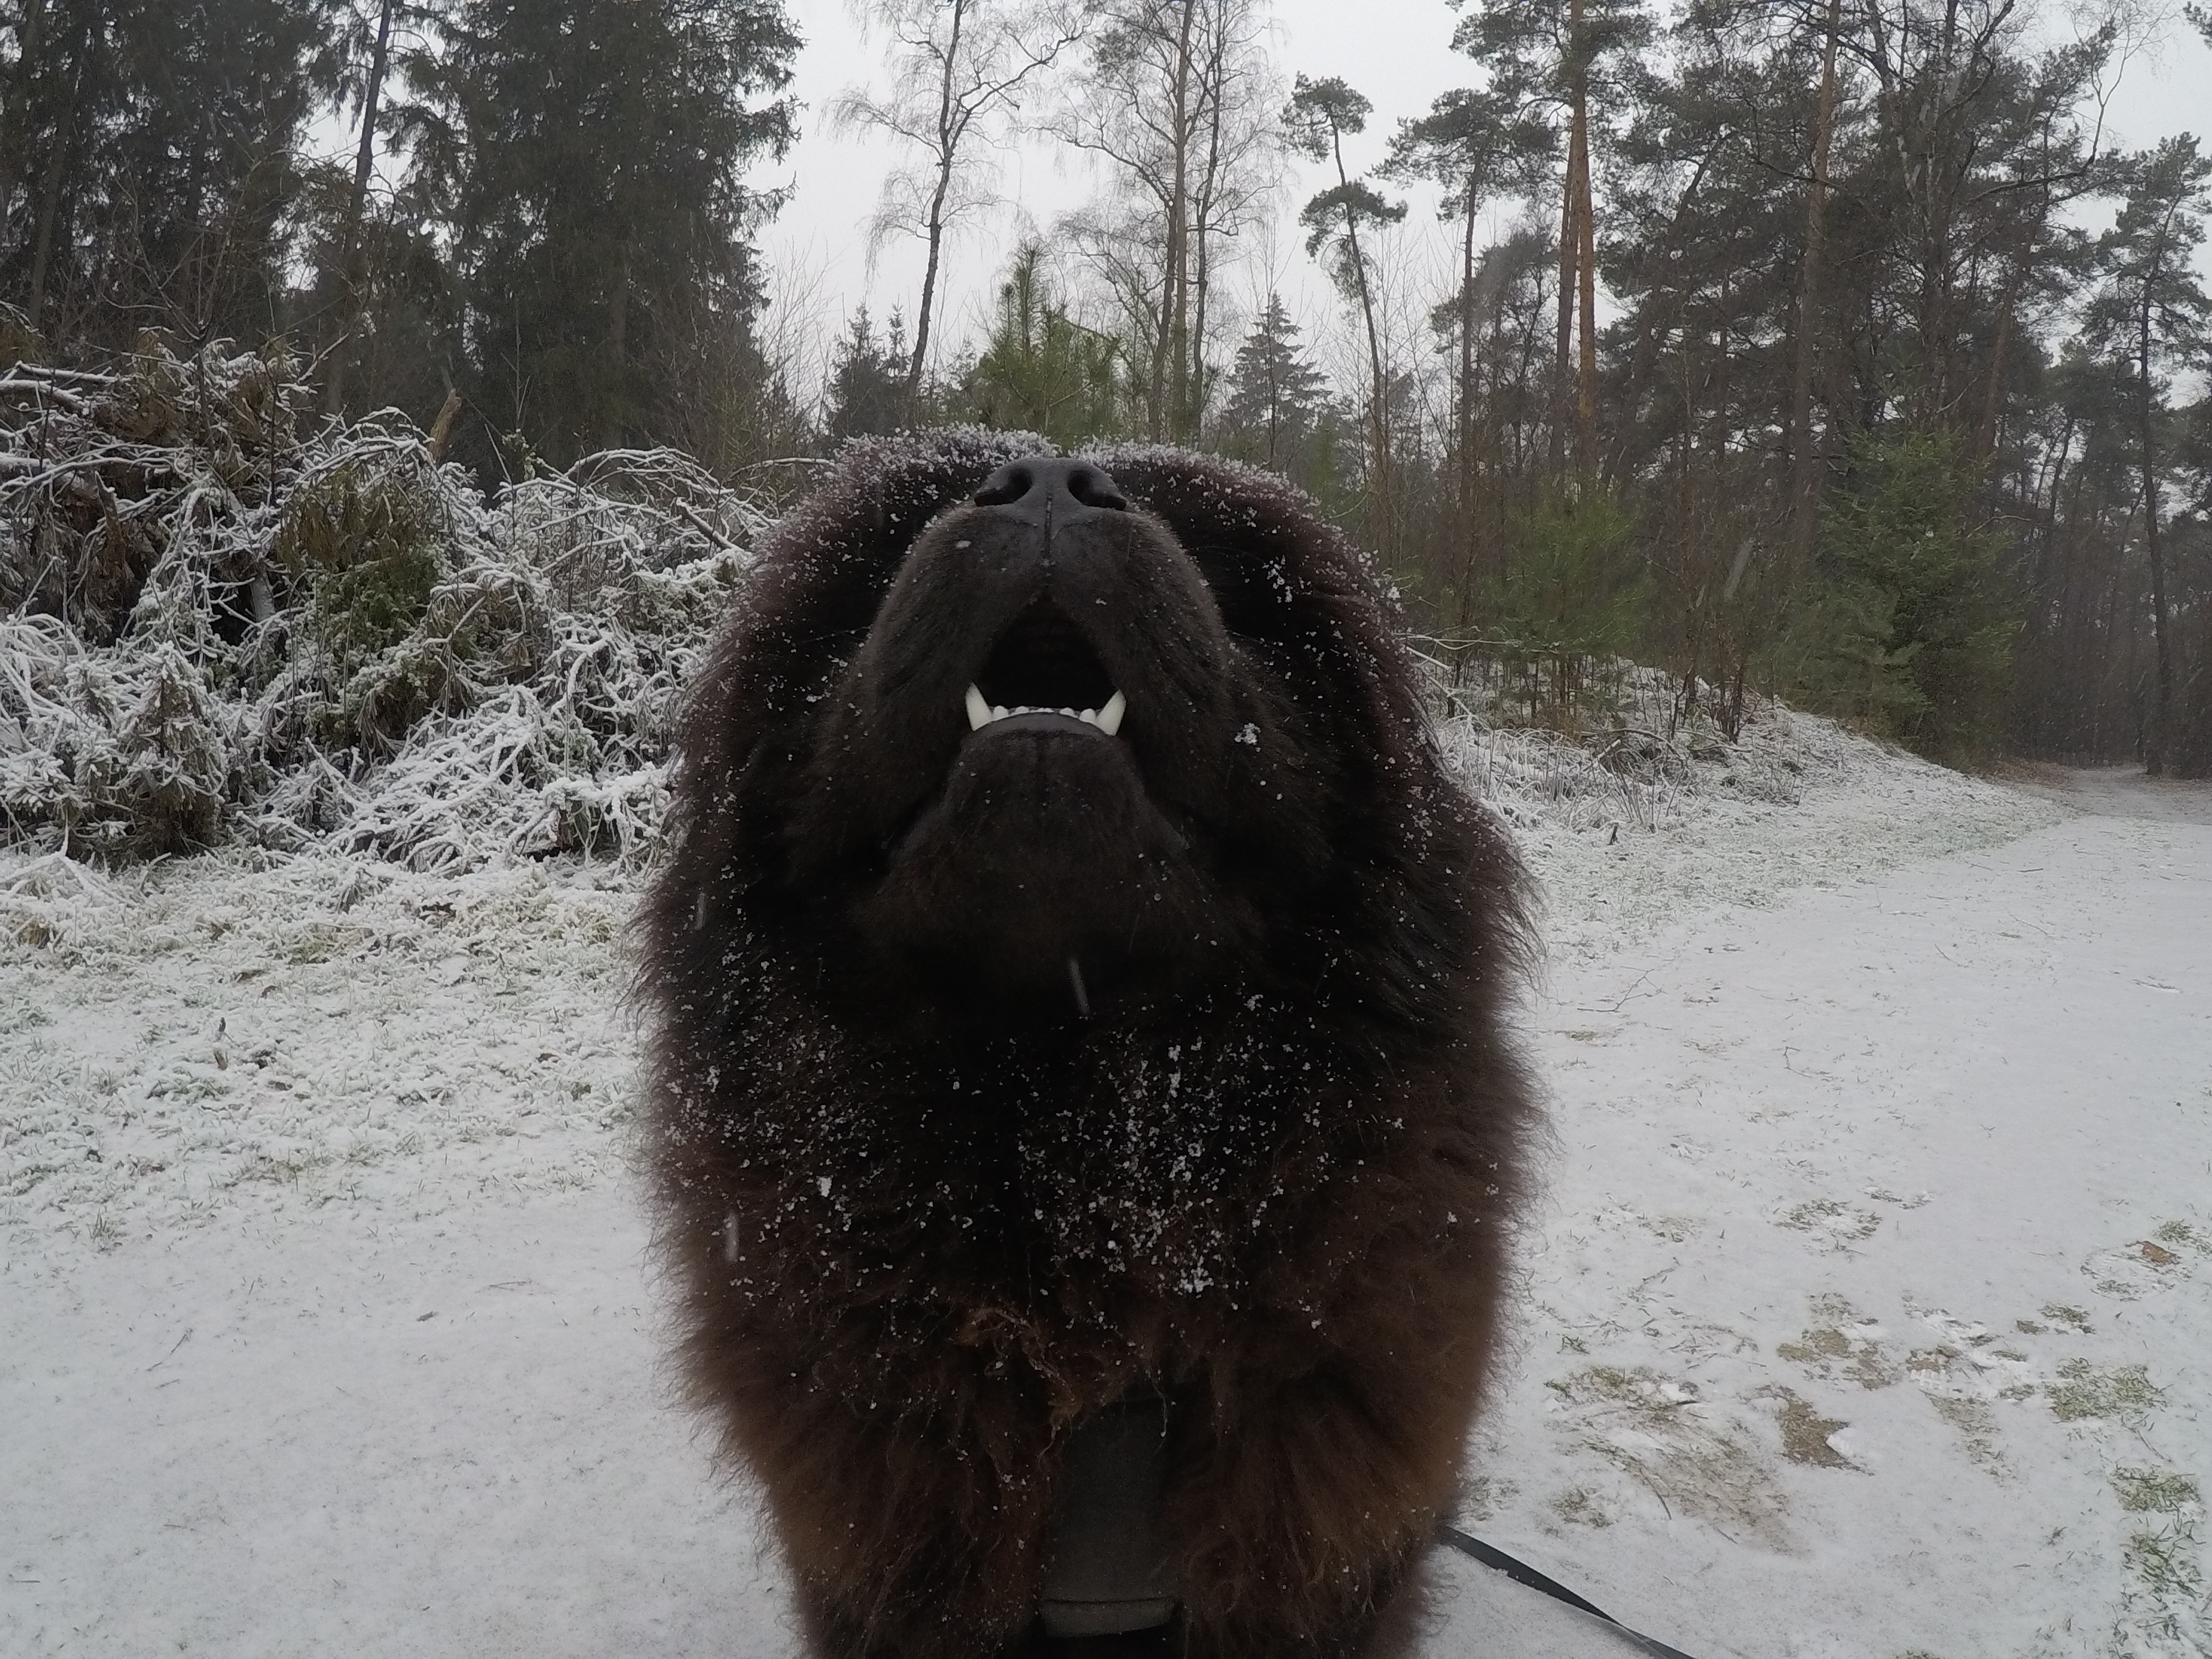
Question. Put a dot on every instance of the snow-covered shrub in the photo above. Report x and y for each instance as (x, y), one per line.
(1638, 759)
(211, 626)
(124, 753)
(366, 544)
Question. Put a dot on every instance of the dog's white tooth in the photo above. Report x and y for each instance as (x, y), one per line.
(1089, 717)
(1109, 717)
(999, 713)
(979, 712)
(1070, 713)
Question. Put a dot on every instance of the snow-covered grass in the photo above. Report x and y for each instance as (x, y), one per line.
(184, 1035)
(185, 1039)
(1869, 1311)
(1630, 829)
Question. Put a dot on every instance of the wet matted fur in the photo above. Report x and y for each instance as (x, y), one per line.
(1000, 1075)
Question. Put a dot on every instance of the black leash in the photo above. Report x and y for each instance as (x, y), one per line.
(1522, 1573)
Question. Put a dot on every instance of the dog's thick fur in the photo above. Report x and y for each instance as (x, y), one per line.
(927, 1214)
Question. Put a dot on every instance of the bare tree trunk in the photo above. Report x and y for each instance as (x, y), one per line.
(611, 432)
(14, 113)
(1379, 410)
(1985, 430)
(1470, 530)
(351, 263)
(1803, 494)
(50, 193)
(1586, 272)
(1216, 97)
(1176, 320)
(441, 429)
(2154, 755)
(1570, 250)
(50, 189)
(934, 229)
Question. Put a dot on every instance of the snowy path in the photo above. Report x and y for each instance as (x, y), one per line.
(1870, 1312)
(1874, 1302)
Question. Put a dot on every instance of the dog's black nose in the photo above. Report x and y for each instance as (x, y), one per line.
(1040, 487)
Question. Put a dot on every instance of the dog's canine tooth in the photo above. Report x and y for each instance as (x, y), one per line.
(1109, 717)
(979, 712)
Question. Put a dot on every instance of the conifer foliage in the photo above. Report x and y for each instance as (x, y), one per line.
(149, 162)
(591, 154)
(1276, 412)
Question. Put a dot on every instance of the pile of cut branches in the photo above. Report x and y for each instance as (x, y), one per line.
(219, 622)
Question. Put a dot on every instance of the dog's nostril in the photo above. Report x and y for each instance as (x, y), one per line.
(1007, 484)
(1094, 489)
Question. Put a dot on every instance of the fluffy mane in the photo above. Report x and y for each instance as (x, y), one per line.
(925, 1226)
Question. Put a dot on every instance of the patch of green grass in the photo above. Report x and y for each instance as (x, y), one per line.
(2149, 1491)
(1580, 1507)
(2075, 1319)
(2166, 1562)
(2126, 1395)
(2181, 1233)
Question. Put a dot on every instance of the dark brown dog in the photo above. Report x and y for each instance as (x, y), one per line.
(1084, 1152)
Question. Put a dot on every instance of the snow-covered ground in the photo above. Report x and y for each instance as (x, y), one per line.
(1869, 1311)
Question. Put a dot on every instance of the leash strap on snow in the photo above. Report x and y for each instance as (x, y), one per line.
(1522, 1573)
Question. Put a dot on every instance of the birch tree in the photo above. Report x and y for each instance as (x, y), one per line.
(1177, 103)
(959, 70)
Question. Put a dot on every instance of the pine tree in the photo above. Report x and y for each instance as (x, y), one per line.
(1554, 56)
(1042, 371)
(2154, 312)
(867, 380)
(590, 152)
(1276, 401)
(1321, 115)
(1911, 624)
(147, 163)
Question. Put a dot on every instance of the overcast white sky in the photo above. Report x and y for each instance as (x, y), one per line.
(1396, 52)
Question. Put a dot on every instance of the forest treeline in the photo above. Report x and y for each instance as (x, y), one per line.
(1829, 347)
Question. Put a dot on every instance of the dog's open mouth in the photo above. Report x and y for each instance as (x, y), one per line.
(1043, 666)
